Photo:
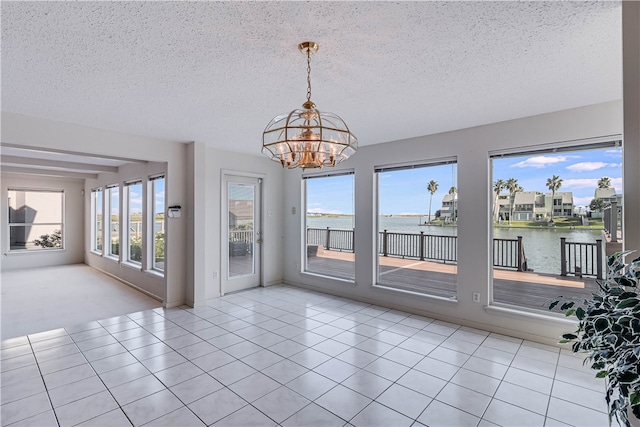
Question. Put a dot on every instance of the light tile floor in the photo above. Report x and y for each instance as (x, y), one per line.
(291, 357)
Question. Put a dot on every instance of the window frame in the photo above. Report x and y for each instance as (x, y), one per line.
(126, 256)
(153, 198)
(588, 144)
(303, 250)
(377, 170)
(25, 224)
(108, 230)
(94, 221)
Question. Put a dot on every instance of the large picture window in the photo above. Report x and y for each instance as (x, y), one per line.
(97, 231)
(134, 222)
(113, 196)
(35, 219)
(330, 223)
(158, 203)
(417, 228)
(556, 217)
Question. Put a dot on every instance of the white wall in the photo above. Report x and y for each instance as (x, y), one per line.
(471, 147)
(210, 164)
(73, 251)
(142, 277)
(47, 134)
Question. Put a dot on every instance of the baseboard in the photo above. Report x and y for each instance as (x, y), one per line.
(131, 285)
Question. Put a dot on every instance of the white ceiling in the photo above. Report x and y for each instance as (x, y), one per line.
(217, 72)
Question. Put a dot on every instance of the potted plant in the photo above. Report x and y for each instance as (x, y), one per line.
(609, 333)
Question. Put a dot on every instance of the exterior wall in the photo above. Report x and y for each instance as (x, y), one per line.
(470, 146)
(74, 209)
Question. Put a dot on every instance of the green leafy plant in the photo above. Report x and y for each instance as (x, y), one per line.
(53, 240)
(609, 332)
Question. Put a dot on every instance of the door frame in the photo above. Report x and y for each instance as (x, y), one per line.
(225, 174)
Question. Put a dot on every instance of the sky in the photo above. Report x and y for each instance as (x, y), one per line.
(135, 197)
(405, 192)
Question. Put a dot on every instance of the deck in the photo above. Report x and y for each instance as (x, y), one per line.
(524, 289)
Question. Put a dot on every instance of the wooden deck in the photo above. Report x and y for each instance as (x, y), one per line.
(524, 289)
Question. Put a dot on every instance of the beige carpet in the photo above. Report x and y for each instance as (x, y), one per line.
(37, 300)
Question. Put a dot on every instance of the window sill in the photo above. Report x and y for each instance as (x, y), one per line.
(112, 258)
(33, 251)
(433, 298)
(96, 253)
(341, 280)
(520, 313)
(132, 265)
(156, 273)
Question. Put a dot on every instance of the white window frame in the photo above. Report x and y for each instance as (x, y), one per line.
(94, 221)
(24, 224)
(152, 187)
(126, 255)
(109, 221)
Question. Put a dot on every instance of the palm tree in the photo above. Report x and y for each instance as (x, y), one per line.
(554, 183)
(432, 187)
(498, 186)
(604, 182)
(513, 187)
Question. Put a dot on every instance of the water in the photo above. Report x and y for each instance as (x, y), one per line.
(541, 246)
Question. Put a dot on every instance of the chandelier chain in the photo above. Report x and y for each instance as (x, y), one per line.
(309, 75)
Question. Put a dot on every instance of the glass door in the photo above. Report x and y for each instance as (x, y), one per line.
(241, 250)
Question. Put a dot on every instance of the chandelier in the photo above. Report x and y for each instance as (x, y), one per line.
(307, 138)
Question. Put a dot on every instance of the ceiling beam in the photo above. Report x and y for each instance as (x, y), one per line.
(58, 164)
(45, 172)
(75, 153)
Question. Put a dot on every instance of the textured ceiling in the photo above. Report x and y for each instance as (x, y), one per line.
(217, 72)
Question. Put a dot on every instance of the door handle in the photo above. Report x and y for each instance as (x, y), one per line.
(259, 241)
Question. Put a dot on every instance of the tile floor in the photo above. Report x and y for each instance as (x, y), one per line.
(291, 357)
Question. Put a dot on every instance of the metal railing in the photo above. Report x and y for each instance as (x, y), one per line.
(612, 214)
(581, 259)
(509, 253)
(245, 236)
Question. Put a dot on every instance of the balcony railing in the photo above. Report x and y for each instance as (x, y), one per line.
(581, 259)
(508, 253)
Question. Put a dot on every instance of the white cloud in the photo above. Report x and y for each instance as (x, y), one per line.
(574, 184)
(582, 201)
(589, 166)
(325, 211)
(540, 161)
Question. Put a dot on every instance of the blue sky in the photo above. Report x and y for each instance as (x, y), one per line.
(404, 192)
(135, 196)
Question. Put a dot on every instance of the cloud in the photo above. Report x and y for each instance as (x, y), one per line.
(540, 162)
(573, 184)
(582, 201)
(325, 211)
(613, 153)
(589, 166)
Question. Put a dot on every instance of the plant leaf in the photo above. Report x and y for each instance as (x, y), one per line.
(601, 374)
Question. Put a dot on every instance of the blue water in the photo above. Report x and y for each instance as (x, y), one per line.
(541, 246)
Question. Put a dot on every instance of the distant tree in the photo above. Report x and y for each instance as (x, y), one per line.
(53, 240)
(513, 187)
(604, 182)
(554, 183)
(432, 187)
(453, 190)
(498, 186)
(596, 205)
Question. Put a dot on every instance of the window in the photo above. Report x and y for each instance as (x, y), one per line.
(113, 195)
(330, 225)
(550, 209)
(157, 192)
(97, 231)
(417, 228)
(35, 219)
(134, 222)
